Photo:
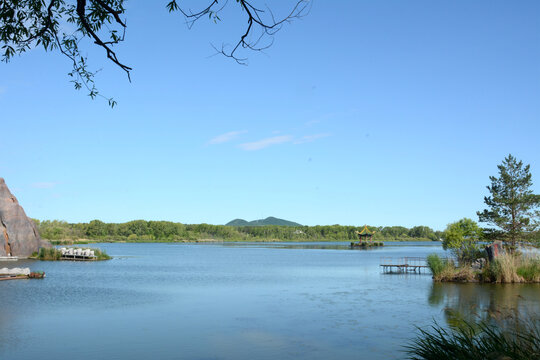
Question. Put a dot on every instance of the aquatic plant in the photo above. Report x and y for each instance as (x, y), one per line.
(436, 264)
(476, 341)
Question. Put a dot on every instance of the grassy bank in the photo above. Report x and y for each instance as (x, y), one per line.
(52, 254)
(507, 268)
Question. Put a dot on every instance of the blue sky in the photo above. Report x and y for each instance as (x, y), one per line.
(363, 112)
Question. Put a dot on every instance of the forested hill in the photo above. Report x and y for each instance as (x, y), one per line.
(166, 231)
(262, 222)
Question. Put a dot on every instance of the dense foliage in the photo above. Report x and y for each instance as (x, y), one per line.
(461, 238)
(143, 231)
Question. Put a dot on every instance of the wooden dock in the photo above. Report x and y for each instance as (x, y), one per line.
(9, 258)
(13, 277)
(403, 265)
(20, 273)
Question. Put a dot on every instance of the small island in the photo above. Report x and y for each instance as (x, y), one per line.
(70, 254)
(365, 239)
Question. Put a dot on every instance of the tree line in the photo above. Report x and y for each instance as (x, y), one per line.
(144, 231)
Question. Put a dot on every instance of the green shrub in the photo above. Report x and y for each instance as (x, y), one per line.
(530, 270)
(436, 264)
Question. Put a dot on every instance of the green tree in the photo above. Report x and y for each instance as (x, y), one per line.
(96, 228)
(422, 232)
(512, 206)
(26, 24)
(461, 237)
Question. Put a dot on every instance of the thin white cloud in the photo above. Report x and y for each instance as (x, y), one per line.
(312, 122)
(44, 185)
(2, 90)
(263, 143)
(310, 138)
(223, 138)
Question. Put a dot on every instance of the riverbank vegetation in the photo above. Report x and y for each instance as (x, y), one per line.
(60, 232)
(53, 254)
(506, 268)
(477, 341)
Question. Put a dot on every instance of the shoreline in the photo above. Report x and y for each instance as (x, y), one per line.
(188, 241)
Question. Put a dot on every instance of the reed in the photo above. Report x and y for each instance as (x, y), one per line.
(436, 264)
(101, 255)
(49, 254)
(476, 341)
(512, 268)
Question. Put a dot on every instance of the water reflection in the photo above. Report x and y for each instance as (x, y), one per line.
(508, 305)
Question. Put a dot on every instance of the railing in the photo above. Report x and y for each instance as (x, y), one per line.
(403, 264)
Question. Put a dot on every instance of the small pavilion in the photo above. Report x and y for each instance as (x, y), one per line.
(365, 234)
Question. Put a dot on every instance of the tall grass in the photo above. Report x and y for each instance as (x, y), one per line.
(101, 254)
(50, 254)
(530, 270)
(512, 268)
(476, 341)
(436, 264)
(506, 268)
(445, 270)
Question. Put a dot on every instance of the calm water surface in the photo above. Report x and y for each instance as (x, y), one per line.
(235, 301)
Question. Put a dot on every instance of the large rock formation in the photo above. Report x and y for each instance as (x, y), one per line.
(18, 233)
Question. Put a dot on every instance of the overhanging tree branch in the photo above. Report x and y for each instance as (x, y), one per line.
(266, 26)
(31, 23)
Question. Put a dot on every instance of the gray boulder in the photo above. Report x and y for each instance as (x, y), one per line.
(18, 233)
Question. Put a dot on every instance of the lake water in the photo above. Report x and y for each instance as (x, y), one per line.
(236, 301)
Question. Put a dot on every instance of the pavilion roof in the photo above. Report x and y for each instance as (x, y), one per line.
(365, 232)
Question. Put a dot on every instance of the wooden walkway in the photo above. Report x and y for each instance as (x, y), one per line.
(403, 265)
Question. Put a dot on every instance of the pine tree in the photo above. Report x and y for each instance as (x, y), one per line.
(512, 204)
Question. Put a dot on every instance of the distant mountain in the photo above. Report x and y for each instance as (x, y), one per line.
(237, 222)
(262, 222)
